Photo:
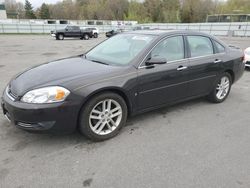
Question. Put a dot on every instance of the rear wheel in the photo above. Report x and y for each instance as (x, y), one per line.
(222, 88)
(103, 116)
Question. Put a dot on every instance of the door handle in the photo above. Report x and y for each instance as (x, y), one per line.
(217, 61)
(181, 68)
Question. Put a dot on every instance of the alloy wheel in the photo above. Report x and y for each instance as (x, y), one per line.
(223, 88)
(105, 117)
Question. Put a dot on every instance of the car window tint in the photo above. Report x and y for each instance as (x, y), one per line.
(219, 47)
(200, 46)
(171, 49)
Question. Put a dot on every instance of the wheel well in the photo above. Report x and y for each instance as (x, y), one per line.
(60, 34)
(231, 73)
(117, 91)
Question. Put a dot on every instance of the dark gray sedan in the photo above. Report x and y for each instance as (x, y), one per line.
(127, 74)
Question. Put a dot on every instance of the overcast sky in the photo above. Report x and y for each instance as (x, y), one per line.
(38, 3)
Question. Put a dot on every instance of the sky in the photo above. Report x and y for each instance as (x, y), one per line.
(38, 3)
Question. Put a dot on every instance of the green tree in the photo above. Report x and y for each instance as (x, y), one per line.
(44, 12)
(169, 11)
(29, 13)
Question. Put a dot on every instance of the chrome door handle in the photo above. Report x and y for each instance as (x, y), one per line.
(217, 61)
(181, 68)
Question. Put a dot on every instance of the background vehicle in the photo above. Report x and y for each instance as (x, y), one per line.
(127, 74)
(94, 30)
(247, 57)
(72, 32)
(113, 32)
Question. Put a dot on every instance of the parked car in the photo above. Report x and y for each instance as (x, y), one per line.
(94, 30)
(128, 74)
(72, 32)
(247, 57)
(113, 32)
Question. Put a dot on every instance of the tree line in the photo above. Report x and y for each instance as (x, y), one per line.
(143, 11)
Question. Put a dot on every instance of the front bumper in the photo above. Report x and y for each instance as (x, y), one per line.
(247, 64)
(53, 34)
(54, 118)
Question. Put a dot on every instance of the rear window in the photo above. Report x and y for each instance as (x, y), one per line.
(220, 47)
(200, 46)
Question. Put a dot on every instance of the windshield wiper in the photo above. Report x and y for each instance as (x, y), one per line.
(96, 61)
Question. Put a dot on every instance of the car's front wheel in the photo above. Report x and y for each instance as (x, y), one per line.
(95, 35)
(221, 89)
(60, 37)
(103, 116)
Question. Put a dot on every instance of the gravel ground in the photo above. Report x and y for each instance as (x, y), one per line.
(192, 145)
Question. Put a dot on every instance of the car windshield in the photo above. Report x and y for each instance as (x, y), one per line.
(120, 49)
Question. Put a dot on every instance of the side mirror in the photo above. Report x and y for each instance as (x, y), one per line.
(156, 61)
(66, 29)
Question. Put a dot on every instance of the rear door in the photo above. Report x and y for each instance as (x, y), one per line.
(204, 64)
(76, 32)
(163, 84)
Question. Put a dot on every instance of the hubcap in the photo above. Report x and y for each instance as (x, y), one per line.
(223, 88)
(105, 117)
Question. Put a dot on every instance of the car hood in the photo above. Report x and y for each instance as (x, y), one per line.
(58, 73)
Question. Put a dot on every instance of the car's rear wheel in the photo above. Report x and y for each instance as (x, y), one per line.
(86, 37)
(103, 116)
(222, 88)
(60, 36)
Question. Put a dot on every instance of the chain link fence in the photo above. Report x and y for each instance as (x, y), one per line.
(220, 29)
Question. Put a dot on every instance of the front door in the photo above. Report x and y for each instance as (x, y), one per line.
(163, 84)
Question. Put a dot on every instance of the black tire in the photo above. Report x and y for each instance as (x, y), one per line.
(60, 36)
(86, 37)
(95, 35)
(84, 121)
(212, 97)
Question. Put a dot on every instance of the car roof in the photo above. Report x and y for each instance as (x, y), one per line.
(166, 32)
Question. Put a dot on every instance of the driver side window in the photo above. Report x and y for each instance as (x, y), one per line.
(171, 49)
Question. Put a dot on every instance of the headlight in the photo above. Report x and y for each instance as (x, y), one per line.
(46, 95)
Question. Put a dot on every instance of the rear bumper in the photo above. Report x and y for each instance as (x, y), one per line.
(247, 64)
(54, 118)
(53, 35)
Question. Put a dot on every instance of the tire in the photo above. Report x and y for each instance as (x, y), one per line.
(224, 90)
(95, 35)
(95, 123)
(86, 37)
(60, 37)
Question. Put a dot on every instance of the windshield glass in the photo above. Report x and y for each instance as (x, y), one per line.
(120, 49)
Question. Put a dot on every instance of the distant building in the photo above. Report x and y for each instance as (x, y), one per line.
(3, 14)
(228, 18)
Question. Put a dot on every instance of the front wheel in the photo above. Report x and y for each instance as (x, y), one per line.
(60, 37)
(103, 116)
(95, 35)
(221, 89)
